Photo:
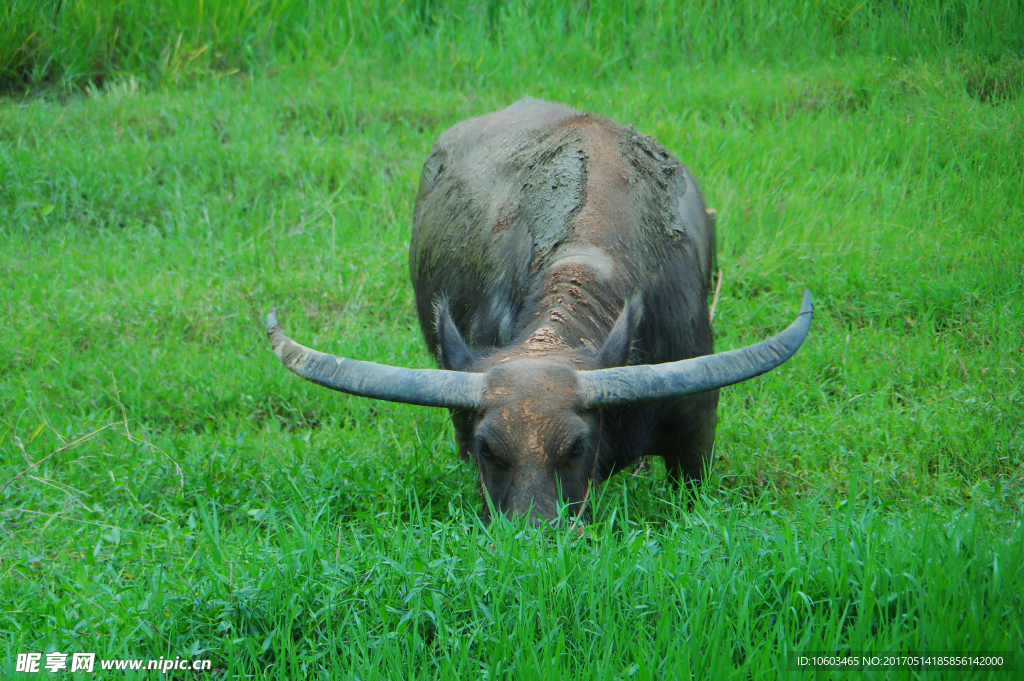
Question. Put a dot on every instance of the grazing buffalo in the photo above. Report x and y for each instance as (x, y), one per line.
(561, 264)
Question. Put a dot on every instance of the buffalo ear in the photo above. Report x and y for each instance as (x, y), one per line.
(452, 352)
(615, 351)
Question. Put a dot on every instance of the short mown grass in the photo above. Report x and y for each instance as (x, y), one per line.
(866, 496)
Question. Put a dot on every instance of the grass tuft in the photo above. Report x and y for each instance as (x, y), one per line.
(73, 43)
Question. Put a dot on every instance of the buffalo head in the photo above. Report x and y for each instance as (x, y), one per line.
(534, 412)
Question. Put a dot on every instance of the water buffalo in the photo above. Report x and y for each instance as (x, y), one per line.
(561, 264)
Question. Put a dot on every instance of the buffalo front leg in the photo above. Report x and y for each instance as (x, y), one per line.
(463, 424)
(686, 438)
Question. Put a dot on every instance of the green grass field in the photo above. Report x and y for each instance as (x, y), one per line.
(168, 489)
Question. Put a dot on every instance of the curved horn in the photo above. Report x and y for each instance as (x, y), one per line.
(427, 387)
(647, 382)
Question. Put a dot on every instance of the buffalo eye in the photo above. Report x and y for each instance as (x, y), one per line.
(578, 448)
(484, 450)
